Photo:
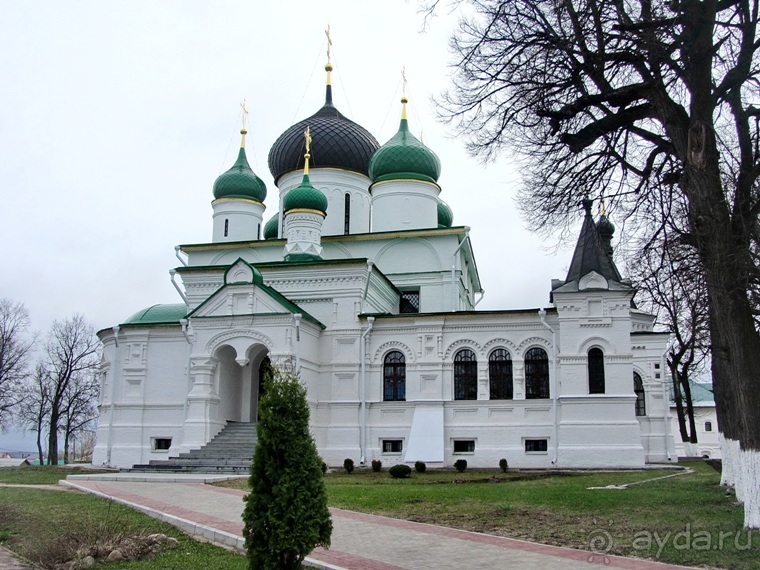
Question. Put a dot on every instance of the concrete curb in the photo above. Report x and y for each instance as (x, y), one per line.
(188, 527)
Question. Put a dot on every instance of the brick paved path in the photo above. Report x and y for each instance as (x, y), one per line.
(359, 541)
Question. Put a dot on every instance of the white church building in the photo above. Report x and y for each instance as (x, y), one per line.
(362, 285)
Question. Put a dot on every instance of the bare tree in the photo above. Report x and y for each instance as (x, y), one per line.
(78, 408)
(670, 285)
(34, 411)
(641, 101)
(72, 350)
(15, 349)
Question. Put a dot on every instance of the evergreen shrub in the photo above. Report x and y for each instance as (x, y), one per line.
(348, 465)
(420, 467)
(400, 471)
(503, 465)
(460, 465)
(377, 465)
(285, 515)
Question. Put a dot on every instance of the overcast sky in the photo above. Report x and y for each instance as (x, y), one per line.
(116, 117)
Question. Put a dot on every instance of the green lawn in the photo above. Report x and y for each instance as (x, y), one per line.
(44, 526)
(39, 475)
(676, 520)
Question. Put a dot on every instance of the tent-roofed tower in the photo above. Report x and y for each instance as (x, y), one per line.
(339, 164)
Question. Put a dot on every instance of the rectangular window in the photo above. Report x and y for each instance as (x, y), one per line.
(392, 445)
(162, 443)
(536, 446)
(464, 446)
(409, 302)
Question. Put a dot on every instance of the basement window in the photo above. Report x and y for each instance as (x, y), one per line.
(161, 443)
(536, 446)
(464, 446)
(392, 445)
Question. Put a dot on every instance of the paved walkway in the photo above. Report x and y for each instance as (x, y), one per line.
(359, 541)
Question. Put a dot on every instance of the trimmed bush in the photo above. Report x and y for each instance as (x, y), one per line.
(285, 515)
(420, 467)
(400, 471)
(460, 465)
(503, 465)
(348, 465)
(377, 465)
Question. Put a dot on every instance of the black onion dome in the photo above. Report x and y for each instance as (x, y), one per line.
(338, 142)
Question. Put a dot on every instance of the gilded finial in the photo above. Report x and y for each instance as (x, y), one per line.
(307, 156)
(243, 130)
(604, 211)
(404, 100)
(328, 65)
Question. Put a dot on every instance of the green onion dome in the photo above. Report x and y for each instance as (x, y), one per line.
(240, 181)
(404, 157)
(445, 215)
(305, 197)
(272, 227)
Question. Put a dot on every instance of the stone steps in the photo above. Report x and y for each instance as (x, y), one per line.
(230, 451)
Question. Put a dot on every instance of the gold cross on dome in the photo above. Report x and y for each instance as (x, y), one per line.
(307, 136)
(403, 82)
(329, 42)
(245, 113)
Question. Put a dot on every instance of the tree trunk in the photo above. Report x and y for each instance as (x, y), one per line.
(689, 407)
(66, 446)
(678, 399)
(53, 436)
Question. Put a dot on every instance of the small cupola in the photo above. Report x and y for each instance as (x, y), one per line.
(304, 209)
(445, 215)
(272, 227)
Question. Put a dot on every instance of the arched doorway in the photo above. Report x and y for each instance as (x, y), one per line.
(238, 382)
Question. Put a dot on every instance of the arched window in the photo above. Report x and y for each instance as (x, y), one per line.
(347, 214)
(638, 389)
(595, 371)
(536, 374)
(500, 374)
(394, 377)
(465, 375)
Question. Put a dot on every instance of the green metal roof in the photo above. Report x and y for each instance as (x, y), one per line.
(240, 182)
(404, 157)
(158, 314)
(305, 197)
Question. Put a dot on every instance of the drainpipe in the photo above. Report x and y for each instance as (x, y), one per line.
(185, 324)
(555, 385)
(363, 387)
(297, 318)
(665, 397)
(454, 303)
(117, 362)
(176, 252)
(173, 272)
(366, 285)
